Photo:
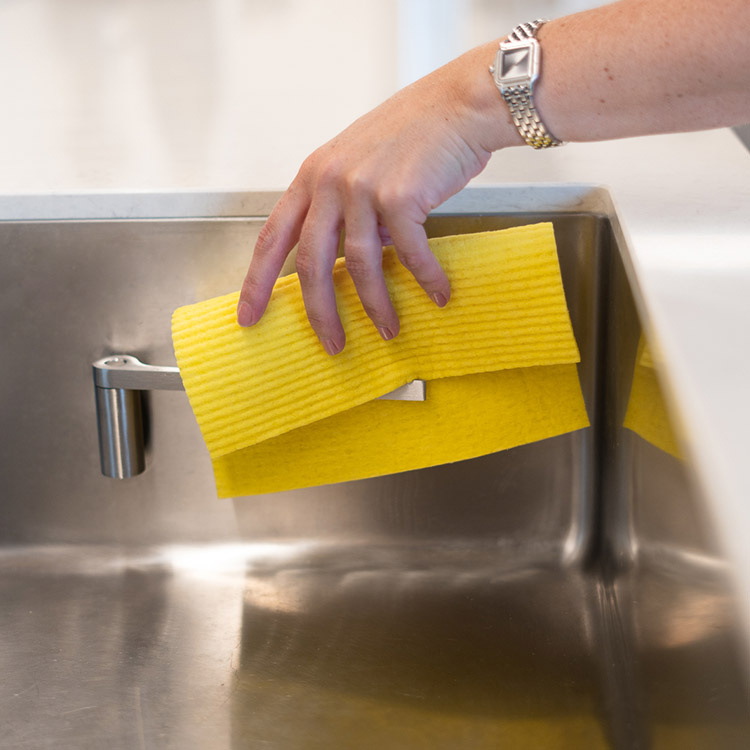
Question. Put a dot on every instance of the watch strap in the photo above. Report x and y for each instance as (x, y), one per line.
(520, 100)
(526, 118)
(526, 30)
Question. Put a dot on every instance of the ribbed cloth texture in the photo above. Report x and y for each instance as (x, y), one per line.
(256, 385)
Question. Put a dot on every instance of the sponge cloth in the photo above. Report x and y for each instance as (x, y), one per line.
(647, 413)
(277, 413)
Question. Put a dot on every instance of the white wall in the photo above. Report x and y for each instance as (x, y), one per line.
(133, 94)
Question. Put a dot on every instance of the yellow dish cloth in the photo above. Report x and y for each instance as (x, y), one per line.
(647, 413)
(278, 413)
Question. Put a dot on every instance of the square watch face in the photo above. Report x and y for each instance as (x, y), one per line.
(516, 63)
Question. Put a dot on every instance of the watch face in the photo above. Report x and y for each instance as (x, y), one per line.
(516, 63)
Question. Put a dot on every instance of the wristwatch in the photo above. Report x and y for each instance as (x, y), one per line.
(516, 69)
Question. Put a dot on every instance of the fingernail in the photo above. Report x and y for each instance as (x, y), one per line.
(439, 299)
(246, 314)
(386, 333)
(330, 347)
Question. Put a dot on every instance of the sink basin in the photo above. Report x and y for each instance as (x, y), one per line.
(568, 593)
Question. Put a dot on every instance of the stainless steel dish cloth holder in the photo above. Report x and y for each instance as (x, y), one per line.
(119, 381)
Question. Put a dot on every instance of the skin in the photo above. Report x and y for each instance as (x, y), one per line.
(635, 67)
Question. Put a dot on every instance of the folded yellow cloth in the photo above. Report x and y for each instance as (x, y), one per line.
(278, 413)
(647, 414)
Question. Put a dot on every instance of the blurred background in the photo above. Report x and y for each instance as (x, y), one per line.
(211, 94)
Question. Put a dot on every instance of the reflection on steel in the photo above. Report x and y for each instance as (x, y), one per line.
(119, 414)
(566, 593)
(119, 380)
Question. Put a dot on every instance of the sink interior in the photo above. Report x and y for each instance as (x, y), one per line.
(568, 593)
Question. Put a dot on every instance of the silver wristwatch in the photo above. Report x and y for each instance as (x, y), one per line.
(516, 68)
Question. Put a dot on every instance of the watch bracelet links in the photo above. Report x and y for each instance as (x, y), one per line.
(526, 118)
(526, 30)
(519, 100)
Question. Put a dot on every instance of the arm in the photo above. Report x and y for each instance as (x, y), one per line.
(651, 66)
(635, 67)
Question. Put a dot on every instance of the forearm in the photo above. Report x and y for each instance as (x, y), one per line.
(634, 67)
(640, 67)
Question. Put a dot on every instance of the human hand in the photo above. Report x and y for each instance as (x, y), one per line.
(378, 180)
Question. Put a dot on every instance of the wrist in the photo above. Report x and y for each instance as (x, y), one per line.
(479, 104)
(515, 72)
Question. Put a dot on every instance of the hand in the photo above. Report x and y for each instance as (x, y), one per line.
(378, 180)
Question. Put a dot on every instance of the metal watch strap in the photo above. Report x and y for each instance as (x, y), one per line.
(520, 101)
(526, 30)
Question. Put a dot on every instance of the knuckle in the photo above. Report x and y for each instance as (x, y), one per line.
(358, 184)
(267, 239)
(357, 265)
(330, 174)
(309, 166)
(393, 199)
(413, 260)
(307, 265)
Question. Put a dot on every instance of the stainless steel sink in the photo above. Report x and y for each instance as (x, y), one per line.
(565, 594)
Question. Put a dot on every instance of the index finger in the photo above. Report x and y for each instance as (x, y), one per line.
(275, 241)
